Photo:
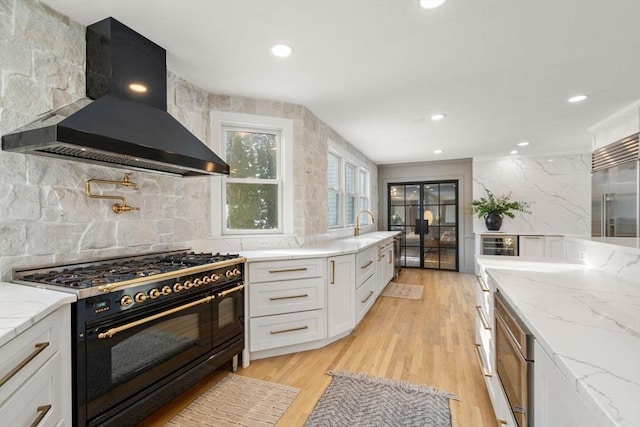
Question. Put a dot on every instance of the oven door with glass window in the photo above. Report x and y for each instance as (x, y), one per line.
(228, 316)
(132, 355)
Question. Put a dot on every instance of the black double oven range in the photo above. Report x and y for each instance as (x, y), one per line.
(146, 328)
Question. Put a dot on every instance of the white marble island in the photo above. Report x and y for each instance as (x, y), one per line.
(588, 323)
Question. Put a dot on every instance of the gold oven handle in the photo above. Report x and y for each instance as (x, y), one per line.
(111, 332)
(230, 291)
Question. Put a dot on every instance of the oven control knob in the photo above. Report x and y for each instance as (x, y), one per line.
(197, 282)
(178, 287)
(215, 277)
(126, 301)
(188, 284)
(206, 279)
(166, 290)
(140, 297)
(237, 272)
(229, 273)
(154, 293)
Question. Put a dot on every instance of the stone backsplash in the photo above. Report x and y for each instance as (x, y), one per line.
(45, 216)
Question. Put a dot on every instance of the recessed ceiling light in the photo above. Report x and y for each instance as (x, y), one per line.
(523, 144)
(550, 160)
(281, 50)
(438, 151)
(438, 116)
(514, 151)
(578, 98)
(431, 4)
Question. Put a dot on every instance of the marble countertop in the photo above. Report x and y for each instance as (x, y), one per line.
(327, 248)
(22, 306)
(588, 322)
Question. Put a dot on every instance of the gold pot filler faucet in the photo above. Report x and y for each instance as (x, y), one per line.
(117, 207)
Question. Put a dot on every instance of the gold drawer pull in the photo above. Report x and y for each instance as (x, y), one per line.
(502, 422)
(288, 270)
(367, 264)
(39, 348)
(301, 328)
(485, 371)
(483, 319)
(288, 297)
(42, 412)
(367, 298)
(482, 284)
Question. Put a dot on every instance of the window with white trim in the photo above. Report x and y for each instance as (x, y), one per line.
(348, 190)
(257, 195)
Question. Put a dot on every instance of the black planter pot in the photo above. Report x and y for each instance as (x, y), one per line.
(493, 221)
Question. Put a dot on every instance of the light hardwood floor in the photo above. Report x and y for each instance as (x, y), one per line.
(425, 342)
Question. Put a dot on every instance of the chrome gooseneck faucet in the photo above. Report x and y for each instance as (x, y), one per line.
(356, 231)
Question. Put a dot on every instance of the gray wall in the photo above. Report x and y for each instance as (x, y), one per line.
(460, 170)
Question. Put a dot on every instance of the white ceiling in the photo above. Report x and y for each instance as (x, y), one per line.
(376, 70)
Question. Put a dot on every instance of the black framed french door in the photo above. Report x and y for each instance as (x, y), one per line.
(426, 213)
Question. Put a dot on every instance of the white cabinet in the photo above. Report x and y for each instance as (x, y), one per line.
(367, 287)
(341, 294)
(35, 374)
(385, 263)
(286, 303)
(538, 246)
(556, 401)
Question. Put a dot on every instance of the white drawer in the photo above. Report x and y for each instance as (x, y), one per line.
(285, 297)
(287, 329)
(484, 296)
(484, 339)
(365, 297)
(26, 353)
(365, 264)
(270, 271)
(39, 396)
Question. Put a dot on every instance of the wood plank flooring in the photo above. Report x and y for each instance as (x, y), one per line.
(425, 342)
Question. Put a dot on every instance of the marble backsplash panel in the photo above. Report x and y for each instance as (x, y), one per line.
(558, 188)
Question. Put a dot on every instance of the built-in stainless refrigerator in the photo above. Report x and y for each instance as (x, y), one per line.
(615, 188)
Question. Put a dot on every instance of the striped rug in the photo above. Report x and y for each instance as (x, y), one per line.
(355, 399)
(237, 401)
(403, 290)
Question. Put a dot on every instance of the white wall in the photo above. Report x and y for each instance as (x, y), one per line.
(558, 187)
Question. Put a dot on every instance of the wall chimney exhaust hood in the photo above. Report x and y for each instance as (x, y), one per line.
(127, 124)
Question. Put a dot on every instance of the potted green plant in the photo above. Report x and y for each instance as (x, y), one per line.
(493, 209)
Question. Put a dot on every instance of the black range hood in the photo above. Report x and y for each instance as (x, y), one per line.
(122, 127)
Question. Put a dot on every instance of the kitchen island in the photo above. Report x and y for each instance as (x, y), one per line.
(587, 322)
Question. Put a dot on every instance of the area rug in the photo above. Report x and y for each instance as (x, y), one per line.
(355, 399)
(237, 401)
(402, 290)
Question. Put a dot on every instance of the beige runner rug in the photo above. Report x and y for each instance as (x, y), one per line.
(237, 401)
(403, 290)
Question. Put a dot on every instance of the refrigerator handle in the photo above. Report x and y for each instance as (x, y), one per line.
(604, 224)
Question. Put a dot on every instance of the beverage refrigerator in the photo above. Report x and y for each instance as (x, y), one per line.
(615, 205)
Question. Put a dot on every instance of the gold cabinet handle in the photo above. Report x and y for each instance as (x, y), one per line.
(485, 371)
(111, 332)
(333, 272)
(502, 422)
(482, 285)
(301, 328)
(288, 270)
(288, 297)
(390, 257)
(367, 298)
(230, 291)
(483, 318)
(42, 412)
(39, 348)
(367, 264)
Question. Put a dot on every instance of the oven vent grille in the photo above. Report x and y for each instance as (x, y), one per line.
(623, 151)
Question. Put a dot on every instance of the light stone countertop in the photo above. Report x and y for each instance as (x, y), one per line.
(22, 306)
(327, 248)
(588, 322)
